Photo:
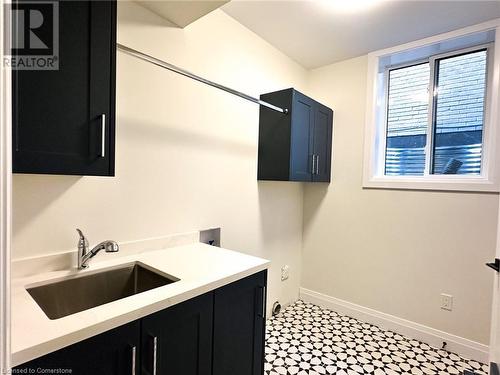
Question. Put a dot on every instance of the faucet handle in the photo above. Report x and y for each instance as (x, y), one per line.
(83, 239)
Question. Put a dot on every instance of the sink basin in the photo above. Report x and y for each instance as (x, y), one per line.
(82, 292)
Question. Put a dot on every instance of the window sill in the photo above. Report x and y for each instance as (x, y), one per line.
(437, 183)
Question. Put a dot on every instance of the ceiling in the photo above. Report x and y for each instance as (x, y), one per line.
(321, 32)
(181, 12)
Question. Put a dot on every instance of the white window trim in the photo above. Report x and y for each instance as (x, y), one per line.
(489, 180)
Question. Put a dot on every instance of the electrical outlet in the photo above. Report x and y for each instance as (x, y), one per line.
(285, 272)
(446, 302)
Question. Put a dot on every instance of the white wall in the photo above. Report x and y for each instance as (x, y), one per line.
(186, 159)
(186, 153)
(393, 251)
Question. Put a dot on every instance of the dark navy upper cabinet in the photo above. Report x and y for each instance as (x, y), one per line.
(322, 143)
(296, 146)
(64, 119)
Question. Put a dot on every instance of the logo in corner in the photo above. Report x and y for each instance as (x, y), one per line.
(34, 39)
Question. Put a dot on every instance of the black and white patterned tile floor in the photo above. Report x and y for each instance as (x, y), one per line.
(306, 339)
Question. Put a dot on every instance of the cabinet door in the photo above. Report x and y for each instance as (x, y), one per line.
(322, 136)
(110, 353)
(239, 327)
(178, 340)
(301, 138)
(58, 115)
(275, 137)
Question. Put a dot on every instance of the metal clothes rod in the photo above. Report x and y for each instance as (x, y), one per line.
(188, 74)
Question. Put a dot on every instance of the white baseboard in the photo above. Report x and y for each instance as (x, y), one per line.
(434, 337)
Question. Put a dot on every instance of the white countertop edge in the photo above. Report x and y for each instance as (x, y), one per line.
(31, 352)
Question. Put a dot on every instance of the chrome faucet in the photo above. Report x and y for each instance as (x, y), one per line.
(84, 255)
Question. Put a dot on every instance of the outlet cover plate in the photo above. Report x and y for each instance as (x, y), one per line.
(285, 272)
(447, 302)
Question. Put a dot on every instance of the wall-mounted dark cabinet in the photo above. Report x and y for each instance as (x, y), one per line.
(296, 146)
(218, 333)
(64, 120)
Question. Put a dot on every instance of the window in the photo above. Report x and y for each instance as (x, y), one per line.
(407, 116)
(459, 106)
(429, 128)
(451, 120)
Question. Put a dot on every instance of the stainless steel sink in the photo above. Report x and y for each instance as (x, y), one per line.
(83, 292)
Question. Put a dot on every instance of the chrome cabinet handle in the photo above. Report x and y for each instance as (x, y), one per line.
(134, 354)
(262, 312)
(313, 160)
(264, 302)
(103, 135)
(317, 164)
(155, 348)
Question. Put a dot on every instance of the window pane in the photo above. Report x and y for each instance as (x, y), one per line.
(458, 137)
(407, 118)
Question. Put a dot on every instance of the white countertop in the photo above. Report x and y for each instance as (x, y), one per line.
(200, 268)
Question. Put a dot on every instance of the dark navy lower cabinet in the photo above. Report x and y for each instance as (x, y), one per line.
(178, 340)
(115, 352)
(217, 333)
(296, 146)
(239, 327)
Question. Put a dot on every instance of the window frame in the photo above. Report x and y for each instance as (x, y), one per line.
(376, 122)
